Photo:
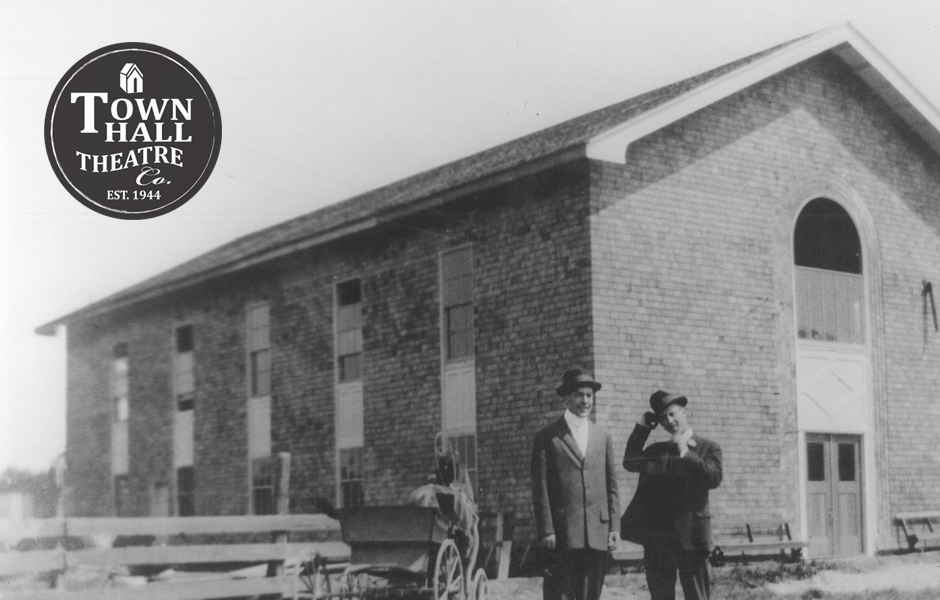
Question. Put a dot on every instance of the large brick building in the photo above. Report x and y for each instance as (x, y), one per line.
(758, 237)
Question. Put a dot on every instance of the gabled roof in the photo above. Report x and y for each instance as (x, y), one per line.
(603, 134)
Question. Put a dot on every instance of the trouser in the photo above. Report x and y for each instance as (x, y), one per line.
(663, 557)
(576, 575)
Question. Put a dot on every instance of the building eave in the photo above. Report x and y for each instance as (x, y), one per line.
(349, 228)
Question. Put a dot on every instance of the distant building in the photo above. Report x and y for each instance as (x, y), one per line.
(757, 237)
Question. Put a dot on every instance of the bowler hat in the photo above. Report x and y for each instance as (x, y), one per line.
(661, 400)
(575, 378)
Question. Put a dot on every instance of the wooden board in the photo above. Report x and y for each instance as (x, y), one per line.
(38, 528)
(190, 590)
(220, 553)
(14, 563)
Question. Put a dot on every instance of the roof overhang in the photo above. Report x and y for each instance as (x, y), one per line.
(424, 203)
(843, 40)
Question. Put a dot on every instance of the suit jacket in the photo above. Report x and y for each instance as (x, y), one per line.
(689, 478)
(575, 497)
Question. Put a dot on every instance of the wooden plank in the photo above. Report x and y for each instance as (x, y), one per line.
(190, 590)
(505, 552)
(927, 514)
(13, 563)
(178, 555)
(761, 546)
(15, 529)
(205, 525)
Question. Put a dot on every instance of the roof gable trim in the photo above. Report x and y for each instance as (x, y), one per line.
(888, 82)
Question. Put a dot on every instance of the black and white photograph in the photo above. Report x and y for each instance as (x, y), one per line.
(469, 300)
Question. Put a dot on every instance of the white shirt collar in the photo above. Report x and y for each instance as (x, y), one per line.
(579, 430)
(574, 421)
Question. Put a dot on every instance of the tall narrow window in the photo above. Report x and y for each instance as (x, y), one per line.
(464, 450)
(262, 486)
(828, 273)
(351, 477)
(349, 330)
(259, 351)
(185, 492)
(120, 412)
(183, 368)
(119, 387)
(121, 496)
(457, 303)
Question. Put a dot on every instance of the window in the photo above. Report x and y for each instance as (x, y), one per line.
(119, 387)
(262, 486)
(185, 492)
(828, 274)
(121, 496)
(351, 477)
(259, 351)
(816, 461)
(464, 449)
(457, 303)
(183, 368)
(349, 330)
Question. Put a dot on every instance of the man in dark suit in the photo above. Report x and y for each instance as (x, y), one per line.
(574, 494)
(669, 513)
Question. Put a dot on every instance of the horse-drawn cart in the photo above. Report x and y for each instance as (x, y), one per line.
(400, 552)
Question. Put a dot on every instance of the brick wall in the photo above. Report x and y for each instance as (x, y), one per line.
(690, 293)
(527, 238)
(685, 252)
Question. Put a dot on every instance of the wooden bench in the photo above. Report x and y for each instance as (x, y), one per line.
(757, 538)
(283, 580)
(921, 527)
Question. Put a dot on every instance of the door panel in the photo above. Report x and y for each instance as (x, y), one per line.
(849, 490)
(819, 496)
(833, 495)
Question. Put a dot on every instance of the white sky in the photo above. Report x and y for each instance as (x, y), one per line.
(323, 100)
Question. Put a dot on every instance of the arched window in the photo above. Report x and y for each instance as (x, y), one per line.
(828, 258)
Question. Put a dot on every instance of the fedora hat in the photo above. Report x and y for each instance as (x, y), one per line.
(575, 378)
(661, 400)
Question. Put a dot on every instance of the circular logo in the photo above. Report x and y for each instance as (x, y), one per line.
(133, 131)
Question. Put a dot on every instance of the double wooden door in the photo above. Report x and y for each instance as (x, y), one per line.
(834, 494)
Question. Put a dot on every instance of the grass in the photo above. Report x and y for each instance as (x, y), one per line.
(747, 583)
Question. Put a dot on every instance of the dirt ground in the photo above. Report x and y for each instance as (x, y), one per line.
(909, 572)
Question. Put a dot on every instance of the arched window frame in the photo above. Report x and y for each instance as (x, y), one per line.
(830, 305)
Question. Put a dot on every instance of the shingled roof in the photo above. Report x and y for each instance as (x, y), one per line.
(362, 211)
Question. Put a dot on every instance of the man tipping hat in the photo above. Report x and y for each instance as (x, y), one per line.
(574, 493)
(669, 514)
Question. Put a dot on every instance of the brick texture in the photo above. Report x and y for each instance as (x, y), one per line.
(671, 271)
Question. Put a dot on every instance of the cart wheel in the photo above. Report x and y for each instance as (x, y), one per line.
(479, 588)
(355, 583)
(315, 578)
(448, 573)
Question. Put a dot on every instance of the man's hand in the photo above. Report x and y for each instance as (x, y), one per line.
(648, 420)
(549, 541)
(613, 538)
(682, 441)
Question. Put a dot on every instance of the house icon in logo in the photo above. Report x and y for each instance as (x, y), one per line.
(132, 80)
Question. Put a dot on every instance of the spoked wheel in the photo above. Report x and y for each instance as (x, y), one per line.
(354, 584)
(479, 589)
(448, 573)
(315, 579)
